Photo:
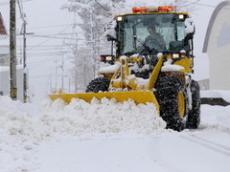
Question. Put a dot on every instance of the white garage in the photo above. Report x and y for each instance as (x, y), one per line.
(217, 46)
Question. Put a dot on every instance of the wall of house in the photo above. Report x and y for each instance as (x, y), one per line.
(5, 81)
(4, 55)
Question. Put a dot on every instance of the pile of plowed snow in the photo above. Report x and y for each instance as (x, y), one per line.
(25, 126)
(105, 116)
(78, 118)
(216, 94)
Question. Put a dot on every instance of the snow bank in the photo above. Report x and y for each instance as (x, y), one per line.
(78, 118)
(216, 118)
(23, 128)
(216, 94)
(15, 148)
(106, 116)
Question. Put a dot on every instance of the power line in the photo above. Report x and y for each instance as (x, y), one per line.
(52, 46)
(7, 2)
(47, 40)
(102, 6)
(55, 37)
(52, 26)
(22, 14)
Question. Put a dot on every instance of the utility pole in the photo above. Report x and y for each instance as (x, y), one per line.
(62, 73)
(24, 24)
(24, 63)
(13, 60)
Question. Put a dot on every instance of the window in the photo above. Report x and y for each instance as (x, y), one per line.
(134, 30)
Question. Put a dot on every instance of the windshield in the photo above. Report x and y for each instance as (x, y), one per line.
(148, 33)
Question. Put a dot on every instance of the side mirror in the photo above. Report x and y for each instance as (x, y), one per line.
(189, 26)
(110, 38)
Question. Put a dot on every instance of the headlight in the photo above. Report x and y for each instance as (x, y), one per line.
(176, 56)
(109, 58)
(181, 16)
(119, 18)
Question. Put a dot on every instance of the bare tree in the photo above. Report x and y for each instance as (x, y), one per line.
(96, 17)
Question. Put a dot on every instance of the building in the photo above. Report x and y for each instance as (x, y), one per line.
(4, 48)
(217, 46)
(4, 65)
(2, 26)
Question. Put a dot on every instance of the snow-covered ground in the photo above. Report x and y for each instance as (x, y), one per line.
(216, 94)
(108, 136)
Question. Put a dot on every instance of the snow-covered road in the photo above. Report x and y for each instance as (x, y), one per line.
(54, 142)
(184, 152)
(205, 149)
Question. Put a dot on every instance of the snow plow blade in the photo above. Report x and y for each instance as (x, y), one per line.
(139, 97)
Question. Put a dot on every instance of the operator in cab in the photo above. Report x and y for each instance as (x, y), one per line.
(154, 41)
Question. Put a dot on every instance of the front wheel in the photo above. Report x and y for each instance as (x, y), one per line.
(98, 84)
(172, 101)
(193, 119)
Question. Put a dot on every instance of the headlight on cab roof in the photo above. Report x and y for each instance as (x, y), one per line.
(119, 18)
(176, 56)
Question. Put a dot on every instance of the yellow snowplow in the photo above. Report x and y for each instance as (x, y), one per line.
(153, 64)
(140, 94)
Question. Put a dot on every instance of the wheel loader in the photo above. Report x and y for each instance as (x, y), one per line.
(153, 63)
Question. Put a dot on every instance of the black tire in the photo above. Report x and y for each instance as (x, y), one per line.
(167, 92)
(98, 84)
(193, 118)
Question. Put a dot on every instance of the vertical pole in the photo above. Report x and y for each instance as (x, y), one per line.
(112, 48)
(75, 52)
(13, 60)
(24, 64)
(50, 83)
(56, 75)
(69, 85)
(62, 75)
(92, 41)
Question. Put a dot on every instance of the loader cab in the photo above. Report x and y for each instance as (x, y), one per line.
(173, 32)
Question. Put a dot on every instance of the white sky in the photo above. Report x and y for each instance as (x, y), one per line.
(42, 14)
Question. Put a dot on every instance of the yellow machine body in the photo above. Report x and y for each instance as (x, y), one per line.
(132, 91)
(123, 87)
(138, 95)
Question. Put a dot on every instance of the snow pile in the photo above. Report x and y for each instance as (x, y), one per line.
(22, 130)
(216, 117)
(78, 118)
(15, 148)
(105, 116)
(216, 94)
